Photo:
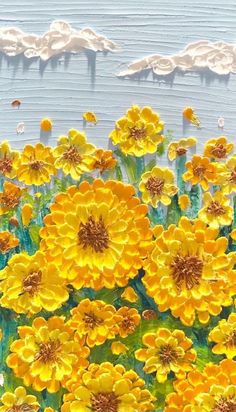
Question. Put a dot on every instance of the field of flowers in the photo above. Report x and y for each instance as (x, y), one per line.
(117, 275)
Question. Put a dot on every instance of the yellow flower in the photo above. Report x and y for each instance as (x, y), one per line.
(18, 401)
(228, 184)
(218, 148)
(46, 125)
(7, 242)
(9, 198)
(98, 234)
(216, 210)
(130, 295)
(184, 202)
(180, 148)
(127, 320)
(201, 170)
(200, 393)
(29, 284)
(190, 115)
(103, 160)
(224, 335)
(9, 160)
(138, 132)
(118, 348)
(93, 320)
(233, 234)
(189, 271)
(73, 154)
(167, 352)
(26, 214)
(37, 165)
(46, 355)
(90, 117)
(157, 186)
(106, 387)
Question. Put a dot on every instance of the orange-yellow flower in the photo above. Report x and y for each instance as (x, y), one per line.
(130, 295)
(46, 355)
(157, 186)
(93, 320)
(90, 117)
(138, 132)
(7, 242)
(98, 234)
(18, 401)
(108, 387)
(190, 115)
(219, 398)
(46, 124)
(37, 165)
(216, 210)
(127, 320)
(189, 393)
(73, 154)
(26, 214)
(201, 170)
(9, 160)
(228, 184)
(218, 148)
(167, 352)
(103, 160)
(189, 271)
(224, 335)
(29, 284)
(180, 148)
(184, 202)
(9, 198)
(118, 348)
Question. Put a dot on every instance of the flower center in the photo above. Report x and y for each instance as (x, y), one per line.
(4, 245)
(9, 200)
(91, 320)
(215, 209)
(93, 234)
(128, 324)
(72, 155)
(199, 171)
(100, 164)
(21, 408)
(31, 282)
(181, 151)
(232, 177)
(104, 402)
(5, 165)
(137, 133)
(36, 165)
(225, 405)
(219, 151)
(167, 354)
(155, 185)
(187, 270)
(48, 351)
(231, 340)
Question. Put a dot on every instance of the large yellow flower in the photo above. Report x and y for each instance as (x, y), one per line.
(224, 335)
(201, 170)
(127, 320)
(7, 242)
(218, 148)
(180, 148)
(98, 234)
(9, 198)
(110, 388)
(9, 160)
(73, 154)
(198, 393)
(138, 132)
(18, 401)
(216, 210)
(46, 354)
(37, 165)
(166, 352)
(93, 320)
(189, 271)
(157, 186)
(29, 284)
(229, 176)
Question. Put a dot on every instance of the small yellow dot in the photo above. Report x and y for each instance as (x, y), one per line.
(46, 124)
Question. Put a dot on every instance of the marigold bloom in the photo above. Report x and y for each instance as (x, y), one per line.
(190, 393)
(189, 271)
(106, 387)
(9, 198)
(224, 335)
(46, 125)
(7, 242)
(190, 115)
(130, 295)
(93, 320)
(218, 148)
(167, 352)
(228, 184)
(46, 355)
(103, 160)
(18, 401)
(37, 165)
(98, 234)
(157, 186)
(29, 284)
(26, 214)
(201, 170)
(180, 148)
(90, 117)
(216, 210)
(184, 202)
(138, 132)
(118, 348)
(9, 160)
(73, 154)
(127, 320)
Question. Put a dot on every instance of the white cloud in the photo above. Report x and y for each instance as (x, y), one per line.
(60, 37)
(219, 57)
